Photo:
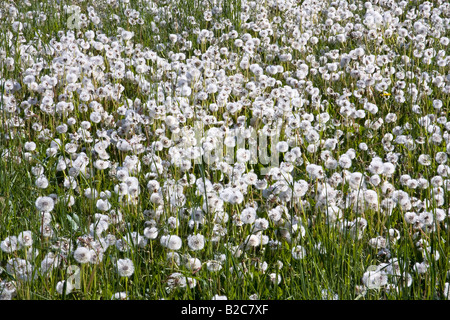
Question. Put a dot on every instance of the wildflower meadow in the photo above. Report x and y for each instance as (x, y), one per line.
(223, 149)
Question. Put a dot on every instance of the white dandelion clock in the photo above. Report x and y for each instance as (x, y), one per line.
(193, 264)
(248, 215)
(10, 244)
(275, 278)
(375, 279)
(151, 233)
(82, 255)
(213, 265)
(172, 242)
(45, 204)
(25, 239)
(196, 242)
(125, 267)
(103, 205)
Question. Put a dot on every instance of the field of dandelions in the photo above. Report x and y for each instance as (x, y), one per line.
(218, 149)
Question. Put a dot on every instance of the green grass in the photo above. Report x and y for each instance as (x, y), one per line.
(337, 269)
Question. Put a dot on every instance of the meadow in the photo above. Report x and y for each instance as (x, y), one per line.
(219, 149)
